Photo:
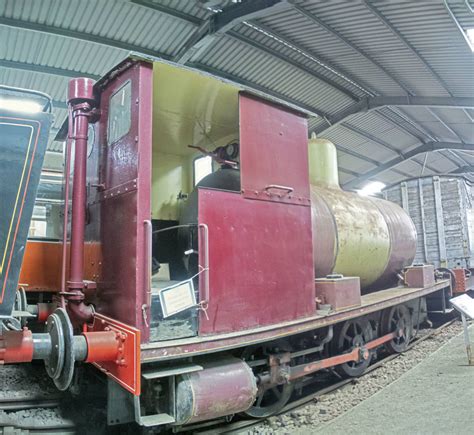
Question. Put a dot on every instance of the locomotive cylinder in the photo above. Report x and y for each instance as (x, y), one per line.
(225, 386)
(355, 235)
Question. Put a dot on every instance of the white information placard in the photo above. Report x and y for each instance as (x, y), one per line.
(464, 304)
(177, 298)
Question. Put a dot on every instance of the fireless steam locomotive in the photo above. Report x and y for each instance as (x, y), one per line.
(202, 297)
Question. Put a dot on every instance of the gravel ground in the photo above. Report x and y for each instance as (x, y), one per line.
(30, 382)
(35, 417)
(25, 381)
(327, 407)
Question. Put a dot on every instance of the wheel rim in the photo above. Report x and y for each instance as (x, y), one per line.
(353, 333)
(398, 319)
(271, 400)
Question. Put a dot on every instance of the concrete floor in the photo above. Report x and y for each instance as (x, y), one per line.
(436, 397)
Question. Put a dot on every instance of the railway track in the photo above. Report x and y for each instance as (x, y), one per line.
(27, 403)
(247, 424)
(19, 425)
(23, 414)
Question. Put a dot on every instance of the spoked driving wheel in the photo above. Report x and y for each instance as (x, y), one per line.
(269, 400)
(351, 334)
(397, 319)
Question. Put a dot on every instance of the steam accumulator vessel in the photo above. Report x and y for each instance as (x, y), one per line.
(355, 235)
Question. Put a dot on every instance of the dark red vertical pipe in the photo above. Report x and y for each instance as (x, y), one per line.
(78, 216)
(81, 100)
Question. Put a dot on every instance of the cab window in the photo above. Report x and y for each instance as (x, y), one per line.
(119, 113)
(202, 167)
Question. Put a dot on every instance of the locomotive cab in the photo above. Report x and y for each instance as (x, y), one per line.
(195, 144)
(159, 125)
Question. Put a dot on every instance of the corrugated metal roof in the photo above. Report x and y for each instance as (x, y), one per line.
(355, 21)
(118, 20)
(231, 56)
(323, 55)
(35, 48)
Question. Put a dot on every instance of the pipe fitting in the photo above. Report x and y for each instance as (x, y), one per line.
(79, 312)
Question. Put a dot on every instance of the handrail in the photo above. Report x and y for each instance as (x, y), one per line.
(148, 260)
(203, 241)
(288, 189)
(205, 267)
(174, 227)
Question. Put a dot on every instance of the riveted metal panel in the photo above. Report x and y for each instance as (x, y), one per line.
(117, 213)
(260, 262)
(273, 152)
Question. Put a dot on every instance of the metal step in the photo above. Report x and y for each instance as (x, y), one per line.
(156, 420)
(171, 371)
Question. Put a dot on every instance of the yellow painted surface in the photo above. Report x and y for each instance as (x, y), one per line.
(363, 239)
(192, 108)
(322, 157)
(170, 175)
(189, 108)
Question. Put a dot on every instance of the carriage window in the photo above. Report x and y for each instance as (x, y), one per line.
(202, 167)
(120, 113)
(46, 221)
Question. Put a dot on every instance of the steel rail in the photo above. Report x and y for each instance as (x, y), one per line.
(22, 403)
(26, 403)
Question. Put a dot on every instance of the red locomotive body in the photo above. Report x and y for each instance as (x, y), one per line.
(199, 298)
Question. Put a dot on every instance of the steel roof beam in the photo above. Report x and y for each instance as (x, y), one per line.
(397, 33)
(243, 11)
(447, 156)
(351, 45)
(383, 144)
(362, 157)
(463, 170)
(35, 68)
(314, 58)
(274, 53)
(424, 131)
(53, 30)
(372, 103)
(414, 101)
(420, 129)
(458, 159)
(25, 66)
(348, 172)
(444, 124)
(371, 138)
(168, 11)
(458, 25)
(427, 147)
(223, 21)
(59, 104)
